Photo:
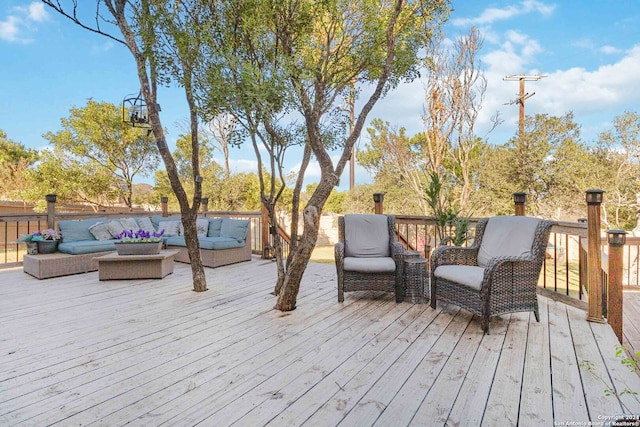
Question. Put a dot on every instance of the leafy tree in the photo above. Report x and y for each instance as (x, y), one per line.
(294, 60)
(619, 150)
(448, 148)
(397, 163)
(14, 161)
(454, 92)
(225, 192)
(548, 163)
(72, 179)
(95, 137)
(163, 38)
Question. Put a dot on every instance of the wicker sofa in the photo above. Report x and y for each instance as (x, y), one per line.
(222, 240)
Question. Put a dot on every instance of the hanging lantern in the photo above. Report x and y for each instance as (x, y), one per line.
(135, 111)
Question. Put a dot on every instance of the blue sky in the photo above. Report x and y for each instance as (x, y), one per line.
(588, 49)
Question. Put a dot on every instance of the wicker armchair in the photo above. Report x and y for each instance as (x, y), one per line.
(367, 255)
(498, 273)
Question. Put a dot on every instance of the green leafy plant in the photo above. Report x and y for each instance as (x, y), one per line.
(626, 360)
(450, 227)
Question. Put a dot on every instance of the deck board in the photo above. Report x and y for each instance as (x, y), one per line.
(77, 351)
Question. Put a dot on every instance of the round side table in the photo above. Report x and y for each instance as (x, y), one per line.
(414, 280)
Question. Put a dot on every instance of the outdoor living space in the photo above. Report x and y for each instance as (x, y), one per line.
(75, 351)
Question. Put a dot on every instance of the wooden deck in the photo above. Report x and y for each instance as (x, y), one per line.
(77, 351)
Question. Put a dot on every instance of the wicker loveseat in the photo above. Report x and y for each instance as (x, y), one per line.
(367, 255)
(498, 273)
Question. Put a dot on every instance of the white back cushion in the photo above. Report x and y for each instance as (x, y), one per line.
(366, 236)
(507, 236)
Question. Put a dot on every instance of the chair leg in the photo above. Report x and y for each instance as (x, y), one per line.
(399, 293)
(485, 324)
(537, 314)
(432, 295)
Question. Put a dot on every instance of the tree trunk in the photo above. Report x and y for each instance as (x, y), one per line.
(193, 248)
(302, 253)
(149, 91)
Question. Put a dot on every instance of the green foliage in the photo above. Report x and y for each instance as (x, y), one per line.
(95, 151)
(450, 227)
(15, 159)
(71, 179)
(629, 362)
(14, 152)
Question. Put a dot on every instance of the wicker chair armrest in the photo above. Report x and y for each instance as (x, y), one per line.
(523, 267)
(498, 261)
(398, 252)
(339, 253)
(453, 255)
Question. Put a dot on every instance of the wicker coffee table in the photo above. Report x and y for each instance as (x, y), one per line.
(123, 267)
(415, 269)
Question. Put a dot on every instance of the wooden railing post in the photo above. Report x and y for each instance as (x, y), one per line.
(51, 210)
(378, 200)
(519, 199)
(266, 247)
(164, 200)
(582, 262)
(616, 240)
(205, 204)
(594, 258)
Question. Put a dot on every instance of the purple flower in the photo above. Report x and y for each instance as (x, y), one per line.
(140, 235)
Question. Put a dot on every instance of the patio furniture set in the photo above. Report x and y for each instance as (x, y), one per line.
(497, 274)
(89, 245)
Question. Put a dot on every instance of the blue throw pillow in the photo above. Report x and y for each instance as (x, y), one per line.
(75, 230)
(214, 227)
(234, 228)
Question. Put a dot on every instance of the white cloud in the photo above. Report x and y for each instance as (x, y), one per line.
(594, 96)
(9, 29)
(609, 50)
(37, 12)
(241, 165)
(20, 21)
(102, 47)
(492, 14)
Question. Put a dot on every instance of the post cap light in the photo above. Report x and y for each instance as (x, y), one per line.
(378, 197)
(616, 237)
(519, 198)
(594, 197)
(50, 198)
(164, 199)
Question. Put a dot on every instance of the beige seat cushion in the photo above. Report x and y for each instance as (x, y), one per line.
(467, 275)
(370, 265)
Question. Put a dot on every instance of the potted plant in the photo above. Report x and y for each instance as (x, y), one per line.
(45, 241)
(32, 246)
(139, 243)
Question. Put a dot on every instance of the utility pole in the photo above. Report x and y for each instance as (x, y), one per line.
(521, 97)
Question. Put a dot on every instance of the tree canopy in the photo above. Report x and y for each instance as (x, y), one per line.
(94, 158)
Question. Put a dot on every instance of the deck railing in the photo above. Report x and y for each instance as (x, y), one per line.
(12, 226)
(566, 270)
